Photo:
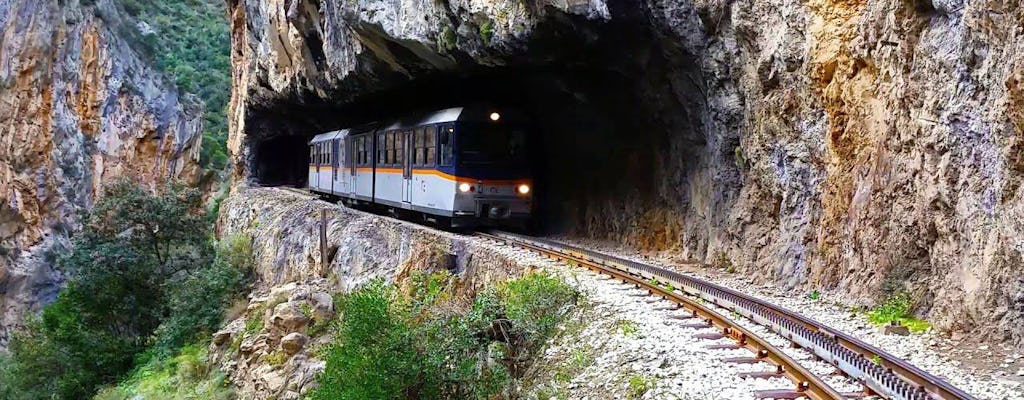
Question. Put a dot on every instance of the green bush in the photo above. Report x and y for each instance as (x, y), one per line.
(418, 345)
(897, 309)
(537, 303)
(143, 281)
(186, 375)
(373, 357)
(487, 31)
(638, 386)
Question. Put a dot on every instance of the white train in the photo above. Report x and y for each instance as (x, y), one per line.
(459, 167)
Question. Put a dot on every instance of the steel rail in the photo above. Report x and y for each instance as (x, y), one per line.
(878, 371)
(806, 383)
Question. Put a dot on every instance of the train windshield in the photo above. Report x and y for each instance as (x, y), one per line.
(492, 145)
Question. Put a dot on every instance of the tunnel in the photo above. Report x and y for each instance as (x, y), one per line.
(618, 131)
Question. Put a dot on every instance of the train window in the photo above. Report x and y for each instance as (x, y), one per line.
(380, 148)
(430, 144)
(399, 147)
(417, 155)
(367, 149)
(359, 151)
(446, 140)
(391, 147)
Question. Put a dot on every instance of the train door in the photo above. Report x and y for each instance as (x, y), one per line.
(352, 160)
(335, 166)
(407, 167)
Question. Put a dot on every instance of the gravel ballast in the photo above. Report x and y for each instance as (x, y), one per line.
(985, 371)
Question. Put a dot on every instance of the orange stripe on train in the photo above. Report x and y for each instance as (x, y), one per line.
(458, 179)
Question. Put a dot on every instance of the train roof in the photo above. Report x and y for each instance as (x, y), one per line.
(328, 136)
(446, 115)
(441, 116)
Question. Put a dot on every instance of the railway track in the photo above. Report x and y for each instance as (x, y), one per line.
(878, 372)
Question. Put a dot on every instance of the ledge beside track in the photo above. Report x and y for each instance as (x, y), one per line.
(879, 372)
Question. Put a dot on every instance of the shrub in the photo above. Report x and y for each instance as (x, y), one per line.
(537, 302)
(896, 309)
(373, 356)
(487, 31)
(142, 272)
(638, 385)
(420, 346)
(186, 375)
(626, 327)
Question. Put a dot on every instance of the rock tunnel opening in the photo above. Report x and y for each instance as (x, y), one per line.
(282, 160)
(618, 119)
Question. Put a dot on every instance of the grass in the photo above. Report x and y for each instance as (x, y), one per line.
(815, 295)
(669, 287)
(897, 309)
(254, 323)
(579, 360)
(626, 327)
(638, 385)
(187, 375)
(276, 359)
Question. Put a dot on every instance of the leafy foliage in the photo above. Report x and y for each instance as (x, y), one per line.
(143, 277)
(419, 346)
(897, 309)
(191, 42)
(186, 375)
(638, 386)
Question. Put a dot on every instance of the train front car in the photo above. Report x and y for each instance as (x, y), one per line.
(491, 165)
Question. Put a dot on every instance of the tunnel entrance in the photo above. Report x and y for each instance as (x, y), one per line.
(282, 160)
(619, 125)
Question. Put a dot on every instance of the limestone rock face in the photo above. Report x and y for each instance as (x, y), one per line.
(862, 147)
(79, 107)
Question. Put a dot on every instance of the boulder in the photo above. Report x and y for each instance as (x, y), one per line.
(323, 306)
(288, 317)
(895, 330)
(222, 337)
(294, 342)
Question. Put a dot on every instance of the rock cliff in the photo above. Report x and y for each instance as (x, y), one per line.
(858, 146)
(80, 106)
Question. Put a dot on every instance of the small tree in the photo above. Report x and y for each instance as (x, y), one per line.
(135, 251)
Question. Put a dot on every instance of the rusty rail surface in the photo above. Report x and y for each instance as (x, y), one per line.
(879, 372)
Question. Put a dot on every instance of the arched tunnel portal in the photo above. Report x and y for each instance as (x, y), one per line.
(618, 113)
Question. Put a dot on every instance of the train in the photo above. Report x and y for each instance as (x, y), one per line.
(461, 167)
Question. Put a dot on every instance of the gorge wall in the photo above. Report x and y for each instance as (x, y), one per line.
(857, 146)
(80, 107)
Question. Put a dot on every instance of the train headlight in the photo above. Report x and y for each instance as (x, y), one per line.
(523, 189)
(495, 116)
(464, 187)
